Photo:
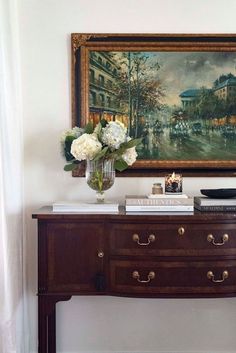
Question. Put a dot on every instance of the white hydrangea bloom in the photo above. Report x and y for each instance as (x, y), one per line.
(76, 132)
(85, 146)
(130, 155)
(113, 134)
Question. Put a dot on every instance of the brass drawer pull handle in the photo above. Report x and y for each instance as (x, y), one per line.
(181, 231)
(136, 276)
(211, 239)
(211, 276)
(151, 239)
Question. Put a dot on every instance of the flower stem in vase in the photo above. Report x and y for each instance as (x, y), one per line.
(100, 176)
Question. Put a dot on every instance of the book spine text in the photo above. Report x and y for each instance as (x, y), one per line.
(216, 208)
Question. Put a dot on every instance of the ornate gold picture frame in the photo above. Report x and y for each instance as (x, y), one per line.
(176, 91)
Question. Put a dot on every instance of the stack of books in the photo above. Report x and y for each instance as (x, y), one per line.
(85, 207)
(159, 203)
(207, 204)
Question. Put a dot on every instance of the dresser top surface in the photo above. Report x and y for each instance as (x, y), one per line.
(46, 213)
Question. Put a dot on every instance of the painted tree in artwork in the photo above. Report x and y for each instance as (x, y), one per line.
(138, 87)
(207, 107)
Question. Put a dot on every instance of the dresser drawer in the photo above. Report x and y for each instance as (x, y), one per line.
(172, 239)
(179, 278)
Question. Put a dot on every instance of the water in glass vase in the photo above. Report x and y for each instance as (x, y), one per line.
(100, 176)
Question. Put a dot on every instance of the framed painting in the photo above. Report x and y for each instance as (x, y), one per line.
(177, 92)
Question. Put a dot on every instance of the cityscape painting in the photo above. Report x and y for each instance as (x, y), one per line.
(182, 104)
(177, 92)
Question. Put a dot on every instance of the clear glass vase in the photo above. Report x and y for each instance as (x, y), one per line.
(100, 176)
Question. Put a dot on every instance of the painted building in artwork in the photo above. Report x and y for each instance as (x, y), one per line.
(223, 89)
(103, 72)
(226, 90)
(189, 97)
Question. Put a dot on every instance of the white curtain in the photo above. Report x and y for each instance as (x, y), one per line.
(13, 335)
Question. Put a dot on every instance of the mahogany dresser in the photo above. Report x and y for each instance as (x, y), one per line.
(136, 255)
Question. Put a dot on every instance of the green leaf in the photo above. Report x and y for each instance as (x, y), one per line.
(124, 146)
(101, 153)
(88, 129)
(120, 165)
(67, 146)
(118, 152)
(98, 131)
(69, 139)
(131, 143)
(69, 167)
(136, 142)
(69, 157)
(103, 122)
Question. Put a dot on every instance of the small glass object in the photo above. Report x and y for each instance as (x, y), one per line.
(173, 183)
(157, 189)
(100, 176)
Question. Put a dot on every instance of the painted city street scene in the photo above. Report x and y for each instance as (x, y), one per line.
(183, 104)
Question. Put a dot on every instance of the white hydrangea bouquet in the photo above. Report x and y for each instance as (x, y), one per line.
(108, 140)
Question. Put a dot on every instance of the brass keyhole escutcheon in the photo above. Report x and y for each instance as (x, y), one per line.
(100, 254)
(181, 231)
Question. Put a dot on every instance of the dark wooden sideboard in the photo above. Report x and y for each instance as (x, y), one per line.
(136, 255)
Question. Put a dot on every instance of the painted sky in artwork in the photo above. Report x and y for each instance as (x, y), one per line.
(180, 71)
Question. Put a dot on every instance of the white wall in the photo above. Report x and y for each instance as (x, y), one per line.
(107, 324)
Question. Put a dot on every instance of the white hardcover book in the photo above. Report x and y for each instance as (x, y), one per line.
(181, 208)
(85, 211)
(162, 213)
(208, 201)
(85, 207)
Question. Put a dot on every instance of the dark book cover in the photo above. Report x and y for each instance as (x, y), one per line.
(215, 208)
